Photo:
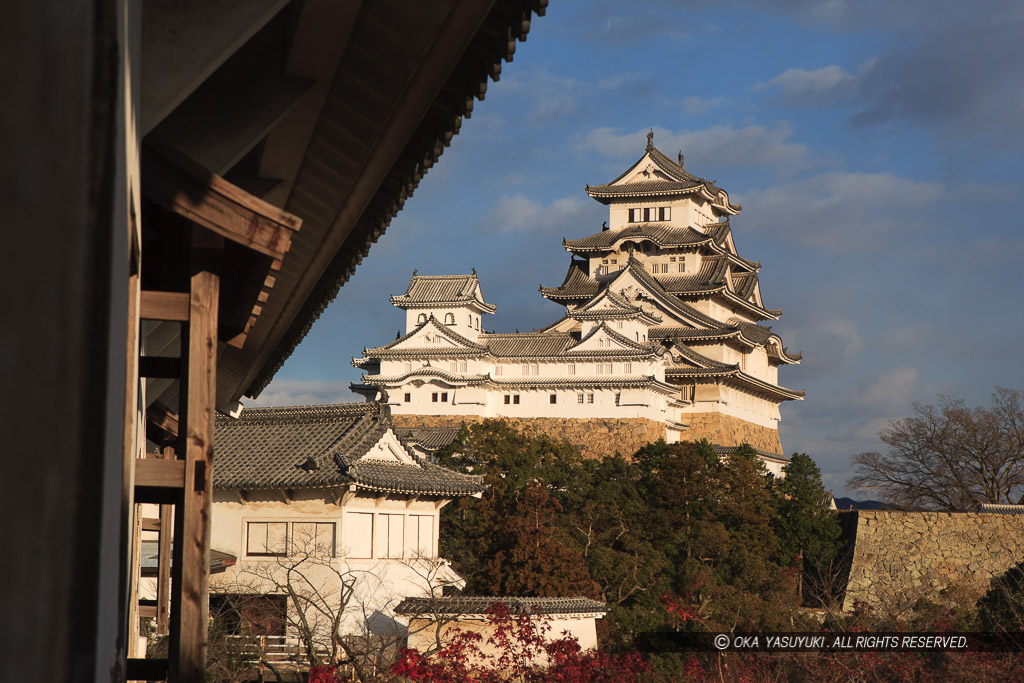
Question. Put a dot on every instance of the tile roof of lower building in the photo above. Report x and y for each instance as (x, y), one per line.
(310, 447)
(430, 438)
(767, 455)
(477, 605)
(1002, 508)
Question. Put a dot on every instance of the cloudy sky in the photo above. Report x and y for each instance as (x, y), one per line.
(877, 148)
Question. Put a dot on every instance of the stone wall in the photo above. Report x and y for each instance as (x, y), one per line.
(725, 430)
(899, 557)
(597, 437)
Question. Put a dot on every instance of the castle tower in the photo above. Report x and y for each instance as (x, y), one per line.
(663, 335)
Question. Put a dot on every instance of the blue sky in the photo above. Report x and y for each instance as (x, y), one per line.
(877, 149)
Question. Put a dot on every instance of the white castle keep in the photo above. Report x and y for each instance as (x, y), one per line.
(663, 334)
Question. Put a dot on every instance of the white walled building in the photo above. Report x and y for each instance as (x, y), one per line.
(334, 482)
(663, 332)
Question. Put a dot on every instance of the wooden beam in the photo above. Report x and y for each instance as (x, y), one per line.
(151, 524)
(171, 306)
(178, 184)
(191, 566)
(159, 417)
(151, 472)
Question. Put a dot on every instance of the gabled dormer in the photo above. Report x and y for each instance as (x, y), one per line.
(456, 301)
(657, 189)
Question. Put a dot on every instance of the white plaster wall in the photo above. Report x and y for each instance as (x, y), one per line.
(380, 583)
(468, 321)
(423, 633)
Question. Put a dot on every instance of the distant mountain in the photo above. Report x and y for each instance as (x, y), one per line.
(848, 503)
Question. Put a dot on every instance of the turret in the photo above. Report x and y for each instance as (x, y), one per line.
(454, 300)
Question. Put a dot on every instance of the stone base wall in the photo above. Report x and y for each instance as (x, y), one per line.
(597, 437)
(725, 430)
(899, 557)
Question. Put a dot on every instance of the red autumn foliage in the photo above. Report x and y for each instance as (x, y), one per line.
(517, 650)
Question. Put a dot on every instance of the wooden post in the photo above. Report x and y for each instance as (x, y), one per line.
(191, 567)
(163, 581)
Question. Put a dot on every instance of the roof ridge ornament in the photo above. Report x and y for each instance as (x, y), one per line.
(681, 160)
(650, 139)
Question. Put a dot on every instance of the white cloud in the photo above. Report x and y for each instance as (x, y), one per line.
(839, 211)
(724, 145)
(294, 392)
(829, 345)
(800, 83)
(518, 213)
(694, 104)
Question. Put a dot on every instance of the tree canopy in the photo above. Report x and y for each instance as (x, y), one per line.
(949, 456)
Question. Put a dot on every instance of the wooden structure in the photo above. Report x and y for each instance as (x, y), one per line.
(161, 158)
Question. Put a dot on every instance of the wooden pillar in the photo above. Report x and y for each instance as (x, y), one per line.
(163, 581)
(191, 566)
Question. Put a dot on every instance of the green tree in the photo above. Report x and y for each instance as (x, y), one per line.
(807, 529)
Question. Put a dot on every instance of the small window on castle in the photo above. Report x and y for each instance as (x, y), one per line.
(665, 213)
(682, 266)
(590, 398)
(408, 397)
(453, 366)
(672, 259)
(650, 214)
(579, 398)
(449, 318)
(433, 397)
(408, 366)
(535, 369)
(572, 368)
(462, 366)
(508, 399)
(515, 399)
(618, 398)
(664, 267)
(615, 260)
(618, 324)
(627, 368)
(422, 318)
(499, 371)
(634, 215)
(444, 397)
(553, 399)
(477, 323)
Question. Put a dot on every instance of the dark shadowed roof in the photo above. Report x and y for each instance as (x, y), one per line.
(476, 605)
(430, 438)
(577, 284)
(766, 455)
(323, 446)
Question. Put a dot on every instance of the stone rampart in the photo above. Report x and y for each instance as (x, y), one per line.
(899, 557)
(726, 430)
(597, 437)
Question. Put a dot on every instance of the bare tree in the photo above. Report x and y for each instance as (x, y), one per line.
(950, 457)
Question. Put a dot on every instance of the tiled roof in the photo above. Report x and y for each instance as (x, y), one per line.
(690, 333)
(430, 438)
(475, 605)
(429, 372)
(710, 278)
(322, 446)
(668, 300)
(767, 455)
(681, 181)
(528, 344)
(758, 334)
(581, 381)
(1003, 509)
(577, 284)
(429, 290)
(662, 234)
